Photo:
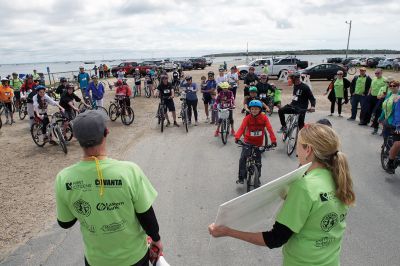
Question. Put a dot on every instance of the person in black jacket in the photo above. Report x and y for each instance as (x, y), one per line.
(302, 94)
(359, 89)
(337, 92)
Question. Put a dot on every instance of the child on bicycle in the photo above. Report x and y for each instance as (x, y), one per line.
(253, 96)
(96, 88)
(6, 97)
(123, 91)
(225, 99)
(253, 127)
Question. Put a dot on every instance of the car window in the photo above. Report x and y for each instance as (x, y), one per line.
(121, 65)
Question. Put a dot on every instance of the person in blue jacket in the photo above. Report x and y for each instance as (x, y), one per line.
(97, 91)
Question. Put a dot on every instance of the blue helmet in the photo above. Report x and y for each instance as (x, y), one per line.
(40, 87)
(255, 103)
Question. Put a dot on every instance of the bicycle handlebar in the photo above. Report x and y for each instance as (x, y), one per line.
(262, 148)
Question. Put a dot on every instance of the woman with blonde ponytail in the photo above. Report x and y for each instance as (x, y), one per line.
(312, 220)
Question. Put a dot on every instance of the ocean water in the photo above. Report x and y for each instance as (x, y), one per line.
(72, 68)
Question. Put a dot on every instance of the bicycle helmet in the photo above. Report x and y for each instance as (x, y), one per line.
(40, 87)
(224, 85)
(62, 79)
(119, 82)
(211, 73)
(4, 80)
(253, 89)
(255, 103)
(295, 74)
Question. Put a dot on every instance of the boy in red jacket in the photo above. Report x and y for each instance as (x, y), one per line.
(253, 126)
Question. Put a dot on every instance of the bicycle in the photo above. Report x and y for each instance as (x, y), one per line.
(184, 111)
(41, 139)
(176, 86)
(252, 166)
(23, 109)
(385, 148)
(61, 120)
(161, 113)
(120, 108)
(6, 111)
(147, 90)
(350, 69)
(223, 114)
(292, 123)
(92, 106)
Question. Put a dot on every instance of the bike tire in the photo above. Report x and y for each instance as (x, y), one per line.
(185, 119)
(147, 91)
(224, 131)
(22, 112)
(36, 133)
(128, 116)
(113, 112)
(61, 140)
(1, 122)
(384, 157)
(292, 140)
(102, 109)
(252, 178)
(351, 70)
(162, 120)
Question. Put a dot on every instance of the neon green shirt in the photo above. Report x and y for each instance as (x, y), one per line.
(339, 88)
(360, 85)
(317, 218)
(376, 85)
(112, 235)
(16, 84)
(277, 95)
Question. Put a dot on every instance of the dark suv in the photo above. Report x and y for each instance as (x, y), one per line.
(198, 62)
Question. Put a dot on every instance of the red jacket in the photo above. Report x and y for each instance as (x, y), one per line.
(253, 129)
(123, 90)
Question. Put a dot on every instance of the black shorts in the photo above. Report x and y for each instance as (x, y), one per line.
(137, 83)
(169, 104)
(17, 95)
(8, 106)
(207, 99)
(69, 114)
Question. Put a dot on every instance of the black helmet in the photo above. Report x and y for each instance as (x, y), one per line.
(211, 73)
(62, 79)
(188, 77)
(295, 74)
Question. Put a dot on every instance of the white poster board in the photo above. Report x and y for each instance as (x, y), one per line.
(256, 210)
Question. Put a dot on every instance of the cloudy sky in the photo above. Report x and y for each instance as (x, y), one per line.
(48, 30)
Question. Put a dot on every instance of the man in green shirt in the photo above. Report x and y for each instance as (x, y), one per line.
(111, 199)
(358, 90)
(378, 82)
(16, 84)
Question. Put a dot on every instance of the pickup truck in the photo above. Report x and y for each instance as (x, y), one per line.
(128, 67)
(275, 66)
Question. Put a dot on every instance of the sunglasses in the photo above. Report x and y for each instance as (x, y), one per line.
(392, 86)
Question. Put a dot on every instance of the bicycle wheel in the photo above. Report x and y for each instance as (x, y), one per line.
(1, 122)
(288, 123)
(23, 111)
(127, 116)
(252, 178)
(292, 139)
(352, 70)
(147, 91)
(224, 131)
(37, 134)
(113, 112)
(162, 119)
(185, 119)
(102, 109)
(61, 140)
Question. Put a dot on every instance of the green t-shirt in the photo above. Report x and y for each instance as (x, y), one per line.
(360, 85)
(112, 235)
(16, 84)
(277, 95)
(339, 88)
(377, 85)
(317, 218)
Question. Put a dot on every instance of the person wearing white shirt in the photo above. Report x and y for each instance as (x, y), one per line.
(233, 80)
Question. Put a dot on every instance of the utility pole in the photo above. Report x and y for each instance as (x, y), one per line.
(247, 53)
(348, 38)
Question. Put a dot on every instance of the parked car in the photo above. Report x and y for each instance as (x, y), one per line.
(335, 60)
(347, 60)
(198, 62)
(323, 71)
(358, 61)
(128, 67)
(387, 63)
(168, 65)
(374, 61)
(209, 61)
(276, 66)
(186, 65)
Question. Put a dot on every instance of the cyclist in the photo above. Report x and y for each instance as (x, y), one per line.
(148, 79)
(166, 92)
(264, 90)
(16, 84)
(253, 127)
(311, 223)
(28, 91)
(301, 96)
(191, 98)
(221, 78)
(125, 91)
(208, 89)
(253, 96)
(6, 98)
(233, 80)
(225, 99)
(62, 87)
(40, 103)
(95, 91)
(138, 81)
(175, 78)
(277, 95)
(83, 80)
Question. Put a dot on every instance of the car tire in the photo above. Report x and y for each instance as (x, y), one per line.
(388, 67)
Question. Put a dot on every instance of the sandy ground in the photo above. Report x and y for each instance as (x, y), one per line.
(28, 172)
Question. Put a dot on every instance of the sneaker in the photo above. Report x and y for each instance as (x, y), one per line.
(233, 132)
(216, 134)
(340, 115)
(207, 120)
(390, 167)
(240, 181)
(375, 131)
(196, 123)
(8, 122)
(283, 129)
(190, 123)
(362, 124)
(330, 115)
(176, 124)
(168, 124)
(351, 119)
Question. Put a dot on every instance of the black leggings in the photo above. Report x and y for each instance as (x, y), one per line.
(143, 262)
(289, 109)
(339, 102)
(192, 104)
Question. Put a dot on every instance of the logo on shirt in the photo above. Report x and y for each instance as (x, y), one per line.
(329, 221)
(82, 207)
(78, 185)
(90, 228)
(109, 206)
(324, 242)
(325, 196)
(113, 227)
(109, 182)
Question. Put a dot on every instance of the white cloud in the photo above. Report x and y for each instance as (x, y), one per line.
(90, 29)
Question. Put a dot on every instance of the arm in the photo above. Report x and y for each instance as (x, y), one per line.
(149, 223)
(270, 130)
(353, 85)
(241, 129)
(220, 231)
(311, 98)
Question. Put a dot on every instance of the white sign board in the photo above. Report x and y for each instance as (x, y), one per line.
(256, 210)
